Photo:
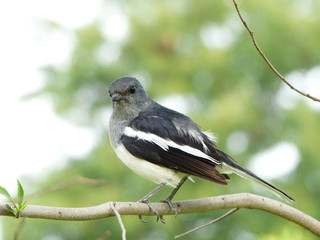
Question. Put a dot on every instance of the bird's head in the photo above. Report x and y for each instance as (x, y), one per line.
(128, 97)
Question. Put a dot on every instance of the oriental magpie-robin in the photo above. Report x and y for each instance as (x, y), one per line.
(165, 146)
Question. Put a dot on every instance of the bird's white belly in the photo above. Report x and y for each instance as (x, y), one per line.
(148, 170)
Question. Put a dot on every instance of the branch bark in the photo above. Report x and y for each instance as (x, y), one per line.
(241, 200)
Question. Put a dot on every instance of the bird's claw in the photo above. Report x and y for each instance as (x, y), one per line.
(141, 219)
(153, 210)
(171, 206)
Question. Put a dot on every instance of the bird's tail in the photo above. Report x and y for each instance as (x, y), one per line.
(230, 166)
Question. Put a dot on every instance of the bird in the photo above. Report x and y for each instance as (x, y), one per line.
(165, 146)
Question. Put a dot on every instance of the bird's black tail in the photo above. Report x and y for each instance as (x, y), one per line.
(230, 166)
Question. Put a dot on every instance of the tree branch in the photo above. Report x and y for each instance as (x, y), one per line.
(240, 200)
(254, 41)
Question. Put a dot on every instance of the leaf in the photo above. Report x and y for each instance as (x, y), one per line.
(20, 193)
(5, 193)
(10, 209)
(23, 205)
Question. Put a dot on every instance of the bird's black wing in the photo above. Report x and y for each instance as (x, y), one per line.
(170, 124)
(170, 139)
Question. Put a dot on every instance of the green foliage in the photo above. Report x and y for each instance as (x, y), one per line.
(234, 91)
(5, 193)
(15, 208)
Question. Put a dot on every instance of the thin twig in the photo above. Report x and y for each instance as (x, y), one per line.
(207, 224)
(251, 33)
(123, 229)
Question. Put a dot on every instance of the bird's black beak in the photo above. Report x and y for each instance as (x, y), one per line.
(116, 97)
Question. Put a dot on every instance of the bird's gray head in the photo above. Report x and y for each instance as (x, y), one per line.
(128, 97)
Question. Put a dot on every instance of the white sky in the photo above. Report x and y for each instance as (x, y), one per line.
(33, 139)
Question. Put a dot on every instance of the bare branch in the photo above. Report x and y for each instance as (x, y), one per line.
(266, 59)
(240, 200)
(207, 224)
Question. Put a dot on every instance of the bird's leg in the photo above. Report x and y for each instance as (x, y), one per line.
(146, 198)
(171, 195)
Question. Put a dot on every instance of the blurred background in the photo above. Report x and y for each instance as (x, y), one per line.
(58, 58)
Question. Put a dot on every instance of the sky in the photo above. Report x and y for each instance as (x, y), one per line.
(29, 128)
(30, 138)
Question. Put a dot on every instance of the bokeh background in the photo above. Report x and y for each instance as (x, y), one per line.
(58, 57)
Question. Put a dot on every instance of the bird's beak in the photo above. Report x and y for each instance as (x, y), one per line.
(116, 97)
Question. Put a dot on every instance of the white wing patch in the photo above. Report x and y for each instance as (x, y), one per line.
(166, 143)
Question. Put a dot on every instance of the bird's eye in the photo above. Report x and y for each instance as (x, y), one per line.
(132, 90)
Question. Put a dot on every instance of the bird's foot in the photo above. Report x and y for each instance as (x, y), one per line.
(152, 209)
(172, 206)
